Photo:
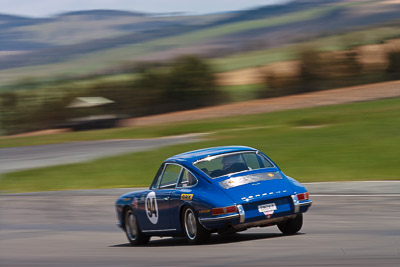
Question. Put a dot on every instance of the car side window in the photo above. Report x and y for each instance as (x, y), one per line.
(187, 179)
(170, 176)
(157, 178)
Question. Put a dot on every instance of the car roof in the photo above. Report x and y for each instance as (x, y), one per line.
(192, 156)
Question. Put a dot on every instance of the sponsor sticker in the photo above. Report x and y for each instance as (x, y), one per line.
(186, 196)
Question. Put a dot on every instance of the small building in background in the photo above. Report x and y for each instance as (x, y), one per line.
(93, 120)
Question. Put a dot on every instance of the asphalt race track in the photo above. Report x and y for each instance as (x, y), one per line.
(28, 157)
(78, 228)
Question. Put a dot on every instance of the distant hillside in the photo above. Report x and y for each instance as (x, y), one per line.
(105, 38)
(83, 26)
(103, 13)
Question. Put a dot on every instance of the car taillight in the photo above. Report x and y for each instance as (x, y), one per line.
(303, 196)
(224, 210)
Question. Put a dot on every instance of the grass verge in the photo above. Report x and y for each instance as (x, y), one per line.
(358, 141)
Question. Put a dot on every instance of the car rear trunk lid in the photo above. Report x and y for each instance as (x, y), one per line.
(256, 187)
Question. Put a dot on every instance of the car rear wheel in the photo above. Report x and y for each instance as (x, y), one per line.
(195, 233)
(291, 226)
(132, 229)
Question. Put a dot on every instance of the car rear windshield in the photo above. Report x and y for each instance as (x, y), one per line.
(220, 165)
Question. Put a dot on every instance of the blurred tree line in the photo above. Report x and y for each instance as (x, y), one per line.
(186, 83)
(321, 71)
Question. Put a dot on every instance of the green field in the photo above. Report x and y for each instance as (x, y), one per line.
(358, 141)
(240, 93)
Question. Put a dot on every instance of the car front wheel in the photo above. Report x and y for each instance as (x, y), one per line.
(195, 233)
(132, 230)
(291, 226)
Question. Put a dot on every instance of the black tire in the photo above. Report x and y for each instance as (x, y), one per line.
(132, 229)
(291, 226)
(194, 232)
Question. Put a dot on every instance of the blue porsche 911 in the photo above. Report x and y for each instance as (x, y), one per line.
(220, 189)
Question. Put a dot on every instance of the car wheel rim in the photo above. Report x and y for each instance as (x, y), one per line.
(190, 224)
(131, 226)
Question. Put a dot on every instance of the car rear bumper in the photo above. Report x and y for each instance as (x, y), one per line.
(247, 218)
(304, 206)
(220, 218)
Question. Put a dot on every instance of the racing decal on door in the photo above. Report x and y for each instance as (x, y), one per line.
(151, 207)
(186, 196)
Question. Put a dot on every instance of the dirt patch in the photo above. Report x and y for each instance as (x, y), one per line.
(314, 99)
(372, 57)
(257, 75)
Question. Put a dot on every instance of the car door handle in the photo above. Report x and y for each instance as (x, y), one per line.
(166, 198)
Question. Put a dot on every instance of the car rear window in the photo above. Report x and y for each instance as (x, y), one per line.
(220, 165)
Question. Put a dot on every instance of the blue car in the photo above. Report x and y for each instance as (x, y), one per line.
(220, 189)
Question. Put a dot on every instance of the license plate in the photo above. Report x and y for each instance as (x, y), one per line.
(267, 207)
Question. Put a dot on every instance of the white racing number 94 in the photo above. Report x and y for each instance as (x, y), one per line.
(151, 207)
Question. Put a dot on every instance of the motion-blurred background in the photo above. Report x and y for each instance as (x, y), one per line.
(107, 66)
